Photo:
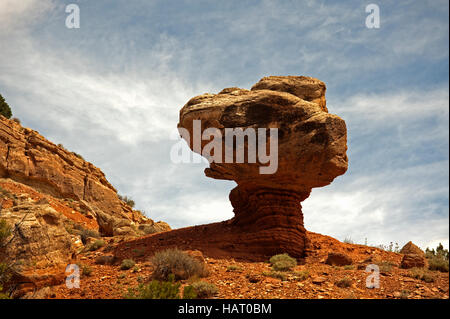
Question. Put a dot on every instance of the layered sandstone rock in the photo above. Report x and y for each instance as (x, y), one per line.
(413, 256)
(28, 158)
(312, 146)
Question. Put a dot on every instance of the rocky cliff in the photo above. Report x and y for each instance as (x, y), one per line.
(54, 201)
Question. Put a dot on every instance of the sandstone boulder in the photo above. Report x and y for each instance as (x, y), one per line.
(338, 259)
(413, 256)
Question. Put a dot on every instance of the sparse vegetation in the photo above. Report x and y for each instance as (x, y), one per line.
(438, 259)
(5, 231)
(276, 274)
(96, 245)
(349, 267)
(385, 266)
(127, 200)
(234, 268)
(15, 119)
(156, 290)
(204, 289)
(344, 282)
(422, 274)
(5, 110)
(348, 240)
(189, 292)
(127, 264)
(86, 270)
(282, 262)
(178, 263)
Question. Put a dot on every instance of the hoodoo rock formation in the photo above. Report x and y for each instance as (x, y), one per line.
(312, 146)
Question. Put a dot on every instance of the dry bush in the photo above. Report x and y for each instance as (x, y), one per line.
(178, 263)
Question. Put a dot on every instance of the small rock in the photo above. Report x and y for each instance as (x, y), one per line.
(318, 280)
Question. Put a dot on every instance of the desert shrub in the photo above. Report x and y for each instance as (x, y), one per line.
(437, 263)
(422, 274)
(156, 290)
(349, 267)
(15, 119)
(233, 268)
(344, 282)
(5, 110)
(5, 276)
(127, 200)
(86, 270)
(96, 245)
(385, 266)
(127, 264)
(178, 263)
(348, 240)
(78, 155)
(5, 231)
(275, 274)
(282, 262)
(302, 275)
(189, 292)
(438, 259)
(204, 289)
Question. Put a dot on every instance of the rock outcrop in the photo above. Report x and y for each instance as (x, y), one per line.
(55, 203)
(413, 256)
(311, 152)
(28, 158)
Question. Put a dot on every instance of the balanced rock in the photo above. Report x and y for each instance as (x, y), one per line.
(310, 146)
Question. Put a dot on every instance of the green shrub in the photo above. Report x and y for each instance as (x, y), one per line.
(204, 289)
(234, 268)
(438, 263)
(5, 110)
(422, 274)
(96, 245)
(349, 267)
(127, 200)
(156, 290)
(282, 262)
(275, 274)
(178, 263)
(189, 292)
(86, 270)
(5, 231)
(127, 264)
(344, 282)
(385, 266)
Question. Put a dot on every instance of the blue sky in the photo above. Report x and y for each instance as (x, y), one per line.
(112, 89)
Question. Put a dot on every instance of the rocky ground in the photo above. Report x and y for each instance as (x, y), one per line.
(239, 279)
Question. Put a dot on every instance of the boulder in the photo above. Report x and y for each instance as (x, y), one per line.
(413, 256)
(338, 259)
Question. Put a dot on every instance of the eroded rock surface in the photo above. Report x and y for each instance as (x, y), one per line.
(312, 146)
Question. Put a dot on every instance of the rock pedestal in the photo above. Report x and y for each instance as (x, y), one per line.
(310, 147)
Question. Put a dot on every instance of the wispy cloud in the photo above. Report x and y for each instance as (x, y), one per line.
(111, 91)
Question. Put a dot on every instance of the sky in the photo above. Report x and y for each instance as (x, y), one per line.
(112, 89)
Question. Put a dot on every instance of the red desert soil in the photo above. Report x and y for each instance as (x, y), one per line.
(246, 280)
